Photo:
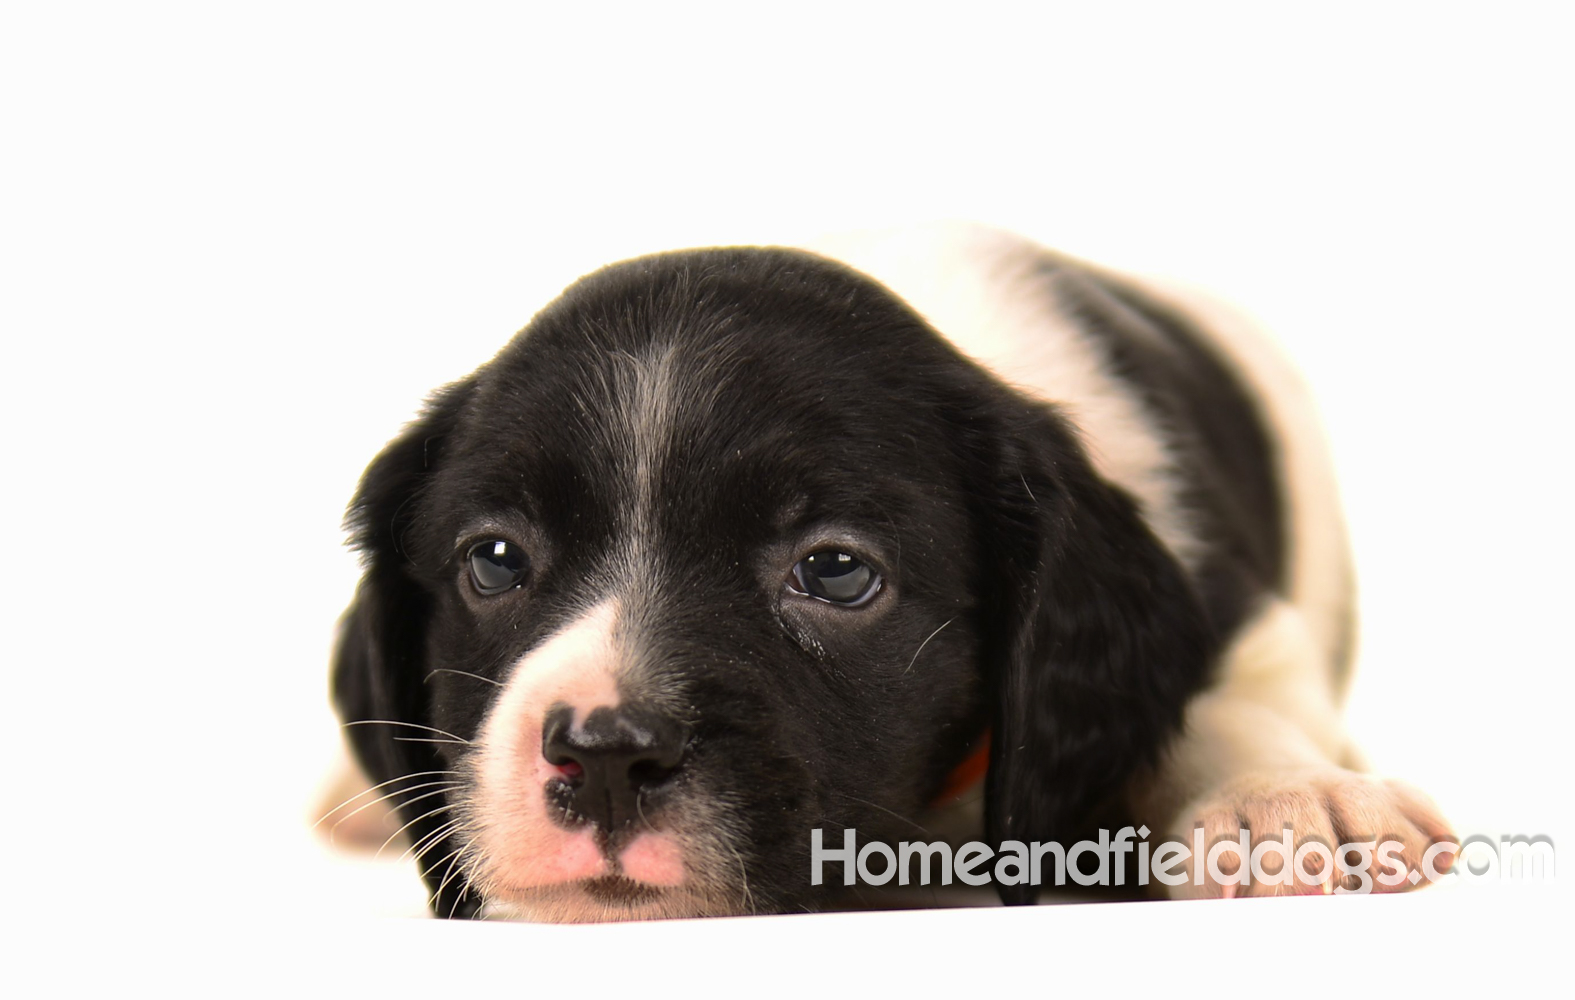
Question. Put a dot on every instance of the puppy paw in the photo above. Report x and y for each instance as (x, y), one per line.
(1322, 810)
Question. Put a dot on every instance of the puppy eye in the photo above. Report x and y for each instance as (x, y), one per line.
(835, 577)
(497, 565)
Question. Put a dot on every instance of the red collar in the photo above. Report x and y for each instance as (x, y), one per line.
(967, 774)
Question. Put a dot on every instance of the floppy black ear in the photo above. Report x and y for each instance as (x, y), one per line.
(378, 671)
(1100, 640)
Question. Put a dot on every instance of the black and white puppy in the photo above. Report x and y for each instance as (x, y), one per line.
(731, 545)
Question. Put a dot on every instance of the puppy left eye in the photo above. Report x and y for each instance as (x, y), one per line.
(836, 578)
(497, 565)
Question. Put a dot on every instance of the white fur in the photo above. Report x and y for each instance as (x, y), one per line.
(517, 841)
(1273, 708)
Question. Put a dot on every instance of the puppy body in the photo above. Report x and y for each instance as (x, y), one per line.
(1264, 741)
(1112, 546)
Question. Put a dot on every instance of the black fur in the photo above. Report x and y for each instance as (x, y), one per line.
(812, 400)
(1100, 639)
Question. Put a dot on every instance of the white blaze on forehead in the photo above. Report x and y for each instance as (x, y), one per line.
(656, 395)
(648, 398)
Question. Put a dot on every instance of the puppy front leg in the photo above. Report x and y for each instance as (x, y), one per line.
(1263, 751)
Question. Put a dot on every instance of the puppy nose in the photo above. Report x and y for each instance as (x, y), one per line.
(612, 760)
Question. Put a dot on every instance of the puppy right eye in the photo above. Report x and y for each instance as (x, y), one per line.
(497, 565)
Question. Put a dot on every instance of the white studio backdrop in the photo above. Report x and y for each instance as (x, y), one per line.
(240, 244)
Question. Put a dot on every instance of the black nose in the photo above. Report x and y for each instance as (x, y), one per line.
(613, 764)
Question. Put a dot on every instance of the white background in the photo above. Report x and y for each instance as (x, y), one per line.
(238, 246)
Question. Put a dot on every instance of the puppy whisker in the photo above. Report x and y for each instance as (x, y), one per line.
(391, 837)
(462, 673)
(875, 805)
(743, 877)
(380, 784)
(453, 870)
(639, 808)
(412, 725)
(421, 848)
(440, 785)
(450, 857)
(426, 795)
(926, 642)
(460, 898)
(427, 844)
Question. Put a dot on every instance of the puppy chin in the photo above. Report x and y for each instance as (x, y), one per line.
(603, 899)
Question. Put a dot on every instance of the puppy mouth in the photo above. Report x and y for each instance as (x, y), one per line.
(609, 890)
(616, 890)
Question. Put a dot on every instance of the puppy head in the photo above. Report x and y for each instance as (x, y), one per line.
(725, 547)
